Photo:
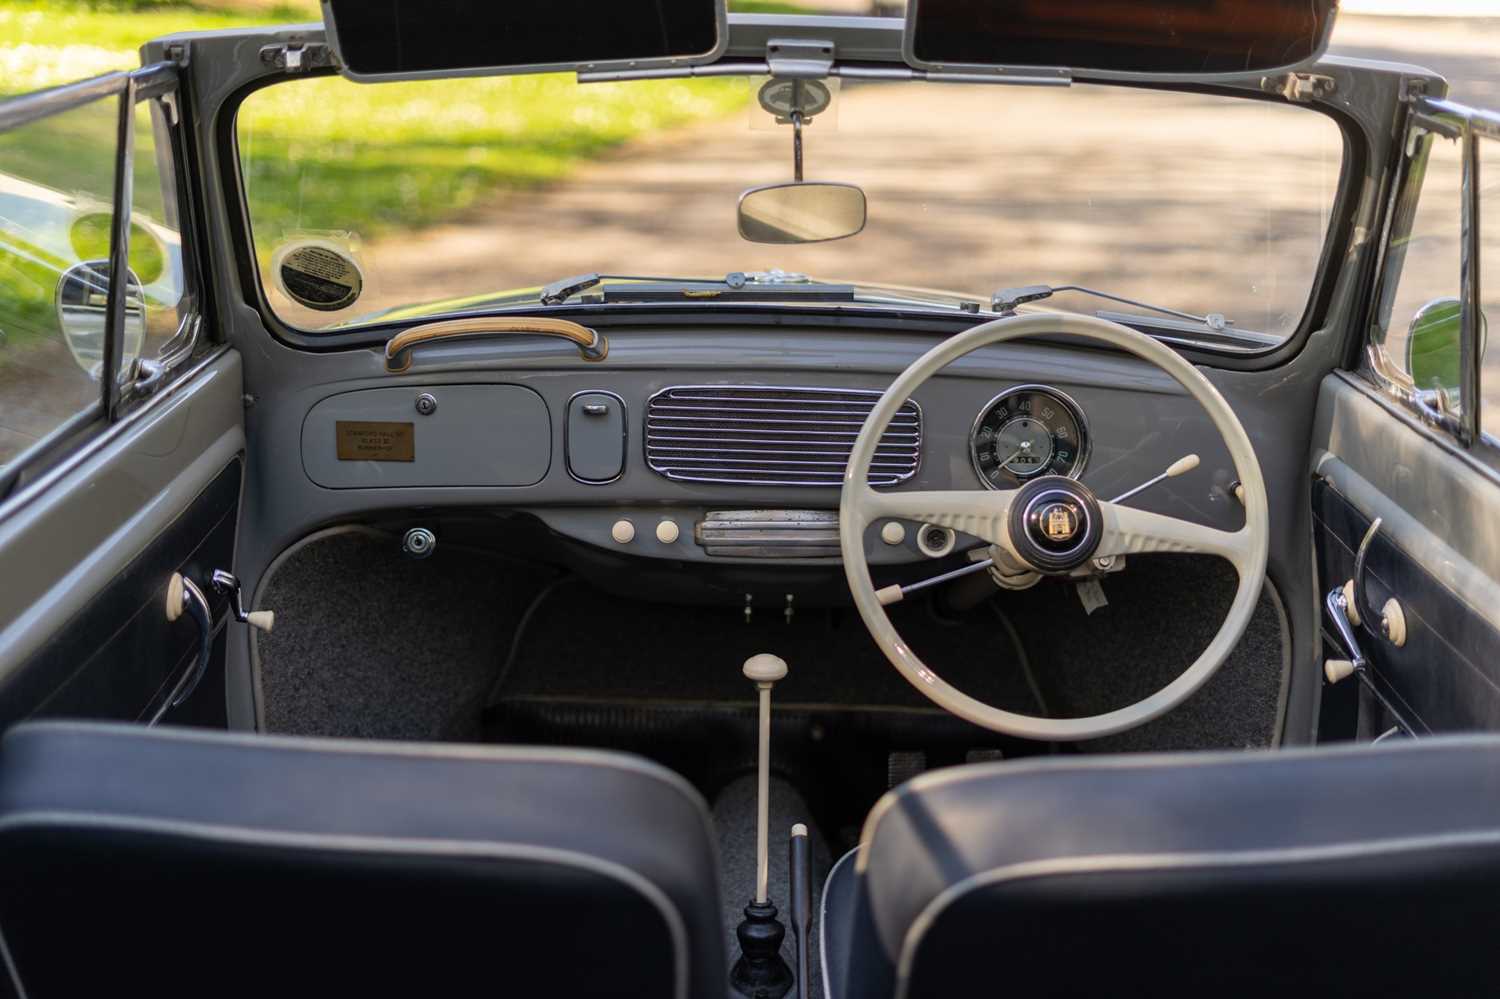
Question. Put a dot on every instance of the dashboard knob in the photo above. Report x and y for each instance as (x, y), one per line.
(893, 533)
(667, 532)
(623, 531)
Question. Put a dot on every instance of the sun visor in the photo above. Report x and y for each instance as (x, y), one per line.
(1118, 39)
(417, 39)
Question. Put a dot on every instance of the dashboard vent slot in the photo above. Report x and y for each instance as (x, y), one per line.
(771, 436)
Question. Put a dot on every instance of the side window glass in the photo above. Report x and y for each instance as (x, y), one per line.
(157, 260)
(56, 193)
(1489, 289)
(1419, 313)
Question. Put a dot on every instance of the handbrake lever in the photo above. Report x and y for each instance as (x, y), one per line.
(801, 899)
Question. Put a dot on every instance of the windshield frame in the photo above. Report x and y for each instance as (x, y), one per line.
(1330, 269)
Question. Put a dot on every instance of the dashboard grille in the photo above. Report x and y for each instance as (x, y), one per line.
(768, 435)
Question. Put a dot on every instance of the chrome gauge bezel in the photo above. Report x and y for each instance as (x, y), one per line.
(1086, 436)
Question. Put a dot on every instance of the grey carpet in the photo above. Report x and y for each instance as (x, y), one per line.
(1163, 611)
(734, 818)
(635, 650)
(371, 644)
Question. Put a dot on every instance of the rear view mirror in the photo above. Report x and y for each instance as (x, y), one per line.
(801, 212)
(82, 301)
(1187, 37)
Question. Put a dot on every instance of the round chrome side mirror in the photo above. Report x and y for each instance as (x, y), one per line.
(82, 300)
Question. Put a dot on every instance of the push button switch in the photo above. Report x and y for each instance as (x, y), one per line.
(594, 439)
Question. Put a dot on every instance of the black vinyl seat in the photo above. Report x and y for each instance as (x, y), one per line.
(1332, 872)
(157, 862)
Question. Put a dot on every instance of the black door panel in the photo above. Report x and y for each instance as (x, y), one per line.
(119, 657)
(1447, 675)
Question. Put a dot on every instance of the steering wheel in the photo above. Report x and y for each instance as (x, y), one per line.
(1053, 525)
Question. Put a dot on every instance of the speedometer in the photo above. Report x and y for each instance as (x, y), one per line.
(1027, 431)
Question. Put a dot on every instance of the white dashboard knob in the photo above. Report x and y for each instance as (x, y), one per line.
(623, 532)
(667, 532)
(893, 533)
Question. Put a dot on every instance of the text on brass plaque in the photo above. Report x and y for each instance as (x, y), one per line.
(374, 440)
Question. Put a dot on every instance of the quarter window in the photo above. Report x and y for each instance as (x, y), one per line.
(56, 191)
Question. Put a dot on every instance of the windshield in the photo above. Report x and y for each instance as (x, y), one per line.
(433, 197)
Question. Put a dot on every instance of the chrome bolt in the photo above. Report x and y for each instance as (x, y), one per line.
(427, 404)
(419, 542)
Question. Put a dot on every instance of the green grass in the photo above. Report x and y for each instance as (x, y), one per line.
(327, 154)
(321, 154)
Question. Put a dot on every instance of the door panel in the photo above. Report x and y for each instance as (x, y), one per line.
(1437, 553)
(121, 645)
(83, 630)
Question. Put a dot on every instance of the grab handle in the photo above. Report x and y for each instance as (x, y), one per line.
(591, 343)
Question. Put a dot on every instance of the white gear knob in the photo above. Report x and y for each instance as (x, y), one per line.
(765, 668)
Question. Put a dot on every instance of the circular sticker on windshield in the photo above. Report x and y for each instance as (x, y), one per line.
(782, 97)
(317, 274)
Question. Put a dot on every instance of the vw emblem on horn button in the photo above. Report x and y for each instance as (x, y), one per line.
(1059, 522)
(1054, 523)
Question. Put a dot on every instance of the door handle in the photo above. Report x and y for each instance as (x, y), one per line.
(1392, 622)
(185, 597)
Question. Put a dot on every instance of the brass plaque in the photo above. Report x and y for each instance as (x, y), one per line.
(374, 440)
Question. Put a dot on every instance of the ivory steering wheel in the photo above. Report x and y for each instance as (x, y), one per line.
(1026, 523)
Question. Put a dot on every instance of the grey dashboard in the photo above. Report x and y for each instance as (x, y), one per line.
(497, 434)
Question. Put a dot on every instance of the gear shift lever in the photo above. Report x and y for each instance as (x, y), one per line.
(760, 972)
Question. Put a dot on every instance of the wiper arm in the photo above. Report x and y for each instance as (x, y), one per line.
(1006, 300)
(749, 284)
(559, 292)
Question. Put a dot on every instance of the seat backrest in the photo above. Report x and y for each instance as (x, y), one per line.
(1354, 871)
(156, 862)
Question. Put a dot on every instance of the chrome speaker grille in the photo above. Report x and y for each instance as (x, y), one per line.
(769, 435)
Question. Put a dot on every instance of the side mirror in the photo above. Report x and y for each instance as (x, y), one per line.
(1434, 345)
(801, 213)
(82, 299)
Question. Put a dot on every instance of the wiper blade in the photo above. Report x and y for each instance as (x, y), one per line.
(1006, 300)
(559, 292)
(735, 286)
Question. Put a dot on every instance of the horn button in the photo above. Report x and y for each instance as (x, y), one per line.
(1055, 523)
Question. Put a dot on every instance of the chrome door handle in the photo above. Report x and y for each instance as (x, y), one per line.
(184, 597)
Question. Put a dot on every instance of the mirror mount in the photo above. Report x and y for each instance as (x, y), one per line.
(797, 146)
(800, 58)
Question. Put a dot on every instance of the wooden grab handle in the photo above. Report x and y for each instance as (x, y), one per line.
(591, 343)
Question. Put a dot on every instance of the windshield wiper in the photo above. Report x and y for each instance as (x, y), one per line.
(559, 292)
(1006, 300)
(737, 285)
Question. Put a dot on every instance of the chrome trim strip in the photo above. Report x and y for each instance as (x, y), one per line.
(150, 81)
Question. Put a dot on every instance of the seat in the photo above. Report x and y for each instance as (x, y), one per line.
(140, 861)
(1334, 872)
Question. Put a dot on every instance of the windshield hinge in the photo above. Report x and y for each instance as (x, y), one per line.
(1300, 88)
(799, 58)
(297, 57)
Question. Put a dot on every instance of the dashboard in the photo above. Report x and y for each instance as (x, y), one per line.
(729, 451)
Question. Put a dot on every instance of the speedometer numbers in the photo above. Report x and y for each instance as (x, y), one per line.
(1027, 431)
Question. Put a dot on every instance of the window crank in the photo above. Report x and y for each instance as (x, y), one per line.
(1344, 604)
(184, 596)
(226, 582)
